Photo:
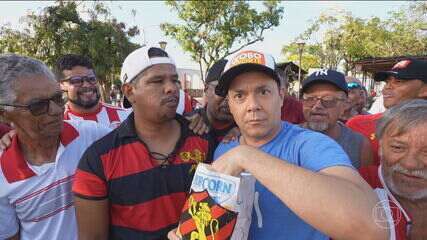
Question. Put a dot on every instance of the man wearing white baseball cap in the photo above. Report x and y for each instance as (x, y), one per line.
(133, 182)
(186, 103)
(306, 187)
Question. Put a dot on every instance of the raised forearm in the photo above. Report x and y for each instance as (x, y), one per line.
(339, 207)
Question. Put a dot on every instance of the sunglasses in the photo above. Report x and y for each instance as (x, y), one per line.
(78, 81)
(40, 107)
(326, 101)
(353, 85)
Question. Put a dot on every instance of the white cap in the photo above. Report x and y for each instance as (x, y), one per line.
(137, 61)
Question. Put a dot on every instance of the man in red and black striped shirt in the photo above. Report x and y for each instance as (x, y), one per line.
(133, 182)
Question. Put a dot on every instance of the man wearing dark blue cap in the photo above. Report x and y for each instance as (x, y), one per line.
(406, 80)
(324, 93)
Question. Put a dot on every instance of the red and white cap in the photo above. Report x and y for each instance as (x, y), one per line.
(139, 60)
(246, 61)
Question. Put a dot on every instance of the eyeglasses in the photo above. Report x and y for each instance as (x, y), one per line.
(78, 80)
(326, 101)
(353, 85)
(42, 106)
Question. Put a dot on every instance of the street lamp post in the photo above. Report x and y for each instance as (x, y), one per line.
(300, 50)
(163, 44)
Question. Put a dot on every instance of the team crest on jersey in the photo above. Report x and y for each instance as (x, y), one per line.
(202, 218)
(401, 65)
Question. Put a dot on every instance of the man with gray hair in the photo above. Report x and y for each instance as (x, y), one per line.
(401, 179)
(37, 169)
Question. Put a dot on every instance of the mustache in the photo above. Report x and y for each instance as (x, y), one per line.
(169, 99)
(88, 89)
(420, 173)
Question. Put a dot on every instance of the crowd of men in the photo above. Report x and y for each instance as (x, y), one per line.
(73, 167)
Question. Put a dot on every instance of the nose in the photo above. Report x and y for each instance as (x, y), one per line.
(253, 103)
(318, 104)
(413, 161)
(171, 87)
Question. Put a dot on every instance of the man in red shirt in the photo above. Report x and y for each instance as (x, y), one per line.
(406, 80)
(291, 108)
(401, 179)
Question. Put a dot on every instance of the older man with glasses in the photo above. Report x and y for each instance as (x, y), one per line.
(324, 100)
(37, 169)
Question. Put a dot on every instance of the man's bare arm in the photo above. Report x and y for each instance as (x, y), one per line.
(92, 219)
(336, 200)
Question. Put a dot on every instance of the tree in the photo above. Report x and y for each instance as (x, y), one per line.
(60, 29)
(310, 55)
(346, 39)
(212, 30)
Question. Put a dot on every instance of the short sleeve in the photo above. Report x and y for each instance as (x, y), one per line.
(223, 148)
(319, 152)
(89, 181)
(9, 223)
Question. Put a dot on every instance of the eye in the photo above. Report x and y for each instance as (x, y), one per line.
(397, 148)
(265, 91)
(238, 96)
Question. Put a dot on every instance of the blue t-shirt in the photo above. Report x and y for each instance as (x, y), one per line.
(302, 147)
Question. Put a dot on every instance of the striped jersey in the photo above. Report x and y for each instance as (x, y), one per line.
(37, 200)
(145, 198)
(106, 115)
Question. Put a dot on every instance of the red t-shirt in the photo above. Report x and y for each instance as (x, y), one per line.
(292, 110)
(366, 125)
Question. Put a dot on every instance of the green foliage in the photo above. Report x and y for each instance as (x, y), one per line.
(346, 39)
(212, 30)
(60, 30)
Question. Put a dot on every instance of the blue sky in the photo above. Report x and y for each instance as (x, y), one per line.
(152, 13)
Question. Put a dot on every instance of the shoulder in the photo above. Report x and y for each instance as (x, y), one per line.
(86, 128)
(363, 119)
(225, 147)
(299, 135)
(109, 106)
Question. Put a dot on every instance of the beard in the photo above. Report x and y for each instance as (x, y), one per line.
(397, 168)
(318, 126)
(86, 104)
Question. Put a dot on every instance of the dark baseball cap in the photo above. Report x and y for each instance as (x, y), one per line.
(246, 61)
(326, 76)
(215, 71)
(407, 69)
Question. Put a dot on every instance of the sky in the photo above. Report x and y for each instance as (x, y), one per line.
(150, 14)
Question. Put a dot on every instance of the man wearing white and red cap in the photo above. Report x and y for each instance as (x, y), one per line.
(133, 182)
(406, 80)
(306, 187)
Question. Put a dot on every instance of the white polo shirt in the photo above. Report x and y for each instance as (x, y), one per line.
(37, 200)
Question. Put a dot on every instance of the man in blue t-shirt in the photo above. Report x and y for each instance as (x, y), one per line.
(306, 187)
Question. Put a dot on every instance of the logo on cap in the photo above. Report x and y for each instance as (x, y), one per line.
(401, 65)
(322, 72)
(248, 57)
